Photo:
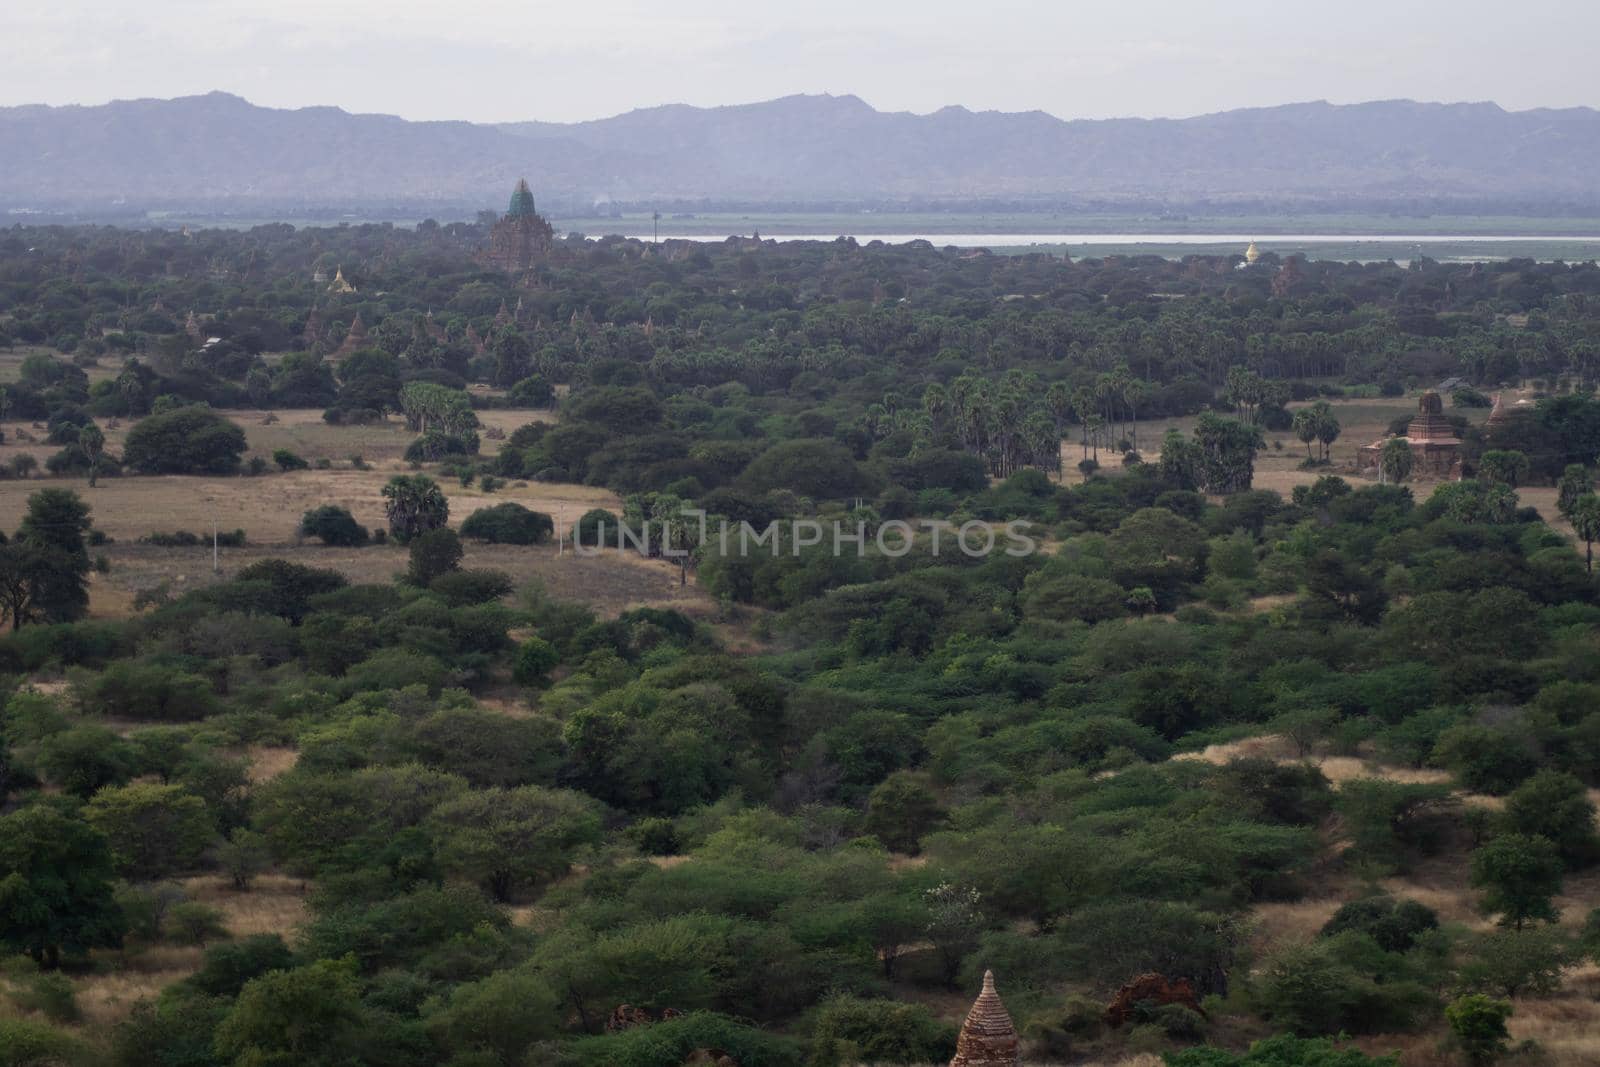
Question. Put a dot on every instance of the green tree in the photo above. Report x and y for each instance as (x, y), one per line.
(1228, 450)
(414, 504)
(1575, 482)
(93, 442)
(1555, 806)
(901, 810)
(55, 886)
(86, 758)
(434, 553)
(187, 440)
(1519, 875)
(501, 1015)
(504, 839)
(333, 525)
(1585, 519)
(1514, 963)
(536, 658)
(1478, 1027)
(1508, 467)
(310, 1015)
(1395, 461)
(154, 830)
(44, 574)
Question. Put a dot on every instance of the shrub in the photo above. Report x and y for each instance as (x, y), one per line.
(1478, 1027)
(288, 461)
(535, 660)
(462, 587)
(50, 994)
(333, 525)
(508, 524)
(24, 1043)
(154, 830)
(226, 968)
(853, 1030)
(1394, 926)
(434, 553)
(193, 923)
(434, 446)
(596, 522)
(190, 440)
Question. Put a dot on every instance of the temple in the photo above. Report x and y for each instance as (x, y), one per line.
(987, 1038)
(1435, 448)
(521, 238)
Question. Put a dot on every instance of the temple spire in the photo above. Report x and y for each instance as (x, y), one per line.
(988, 1038)
(521, 200)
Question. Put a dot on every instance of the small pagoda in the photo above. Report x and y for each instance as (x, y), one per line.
(1435, 446)
(521, 238)
(987, 1038)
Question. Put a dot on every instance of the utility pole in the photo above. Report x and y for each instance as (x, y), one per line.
(655, 227)
(215, 564)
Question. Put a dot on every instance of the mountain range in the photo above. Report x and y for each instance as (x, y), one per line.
(218, 152)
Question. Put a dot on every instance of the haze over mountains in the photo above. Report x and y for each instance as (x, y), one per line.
(219, 153)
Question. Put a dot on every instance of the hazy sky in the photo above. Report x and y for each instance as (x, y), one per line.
(495, 60)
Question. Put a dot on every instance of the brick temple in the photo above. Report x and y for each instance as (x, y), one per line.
(1435, 447)
(521, 238)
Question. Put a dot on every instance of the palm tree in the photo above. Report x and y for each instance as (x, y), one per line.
(1394, 462)
(1305, 428)
(1586, 524)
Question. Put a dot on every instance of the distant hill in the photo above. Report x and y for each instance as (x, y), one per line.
(220, 152)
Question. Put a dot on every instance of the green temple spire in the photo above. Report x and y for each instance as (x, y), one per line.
(521, 200)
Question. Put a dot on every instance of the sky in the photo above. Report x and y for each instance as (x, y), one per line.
(507, 60)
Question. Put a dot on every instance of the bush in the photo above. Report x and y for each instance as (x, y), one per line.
(434, 446)
(333, 525)
(24, 1043)
(50, 994)
(226, 968)
(192, 923)
(185, 539)
(669, 1043)
(190, 440)
(508, 524)
(288, 461)
(535, 660)
(433, 554)
(851, 1030)
(597, 527)
(1478, 1027)
(1394, 926)
(464, 587)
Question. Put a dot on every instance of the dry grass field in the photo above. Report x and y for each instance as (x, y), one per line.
(268, 508)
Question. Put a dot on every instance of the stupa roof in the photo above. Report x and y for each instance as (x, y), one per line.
(988, 1037)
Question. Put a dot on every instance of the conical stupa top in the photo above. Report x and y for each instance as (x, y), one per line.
(988, 1038)
(1252, 253)
(521, 200)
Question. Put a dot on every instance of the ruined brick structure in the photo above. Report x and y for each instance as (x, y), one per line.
(521, 238)
(1153, 989)
(988, 1038)
(1435, 448)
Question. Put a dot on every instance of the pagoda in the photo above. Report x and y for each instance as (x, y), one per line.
(356, 338)
(987, 1038)
(1435, 447)
(521, 238)
(1499, 415)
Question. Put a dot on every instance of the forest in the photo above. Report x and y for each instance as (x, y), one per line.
(1321, 758)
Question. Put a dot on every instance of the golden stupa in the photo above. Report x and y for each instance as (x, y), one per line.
(1252, 253)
